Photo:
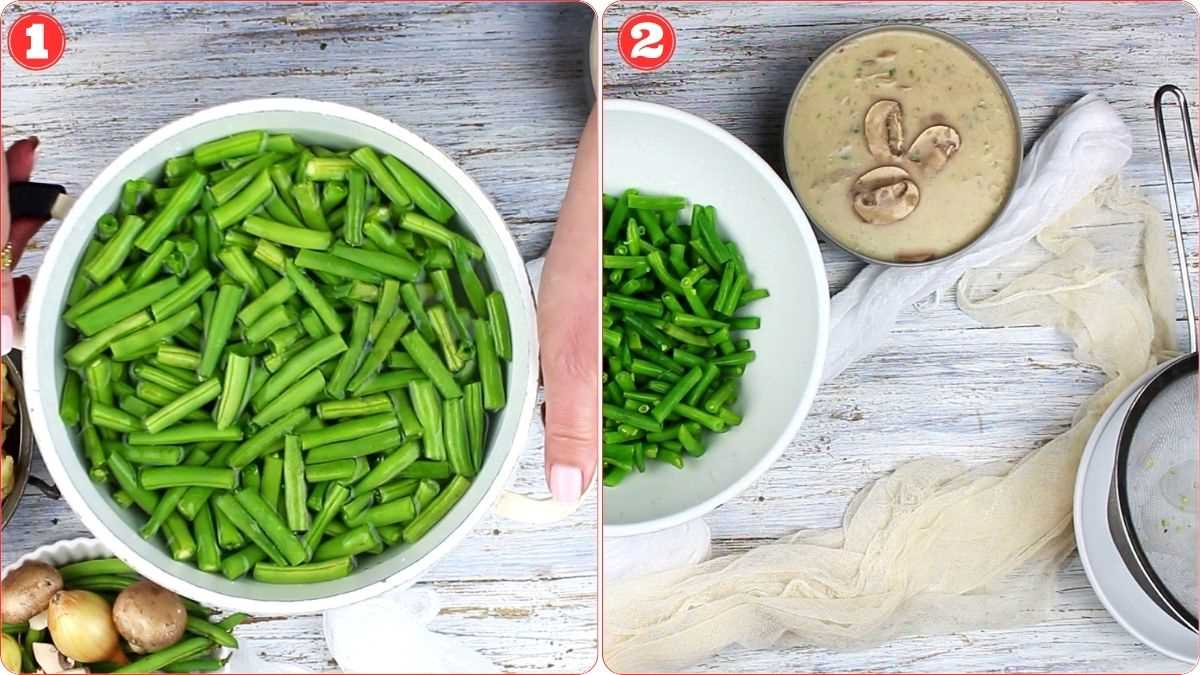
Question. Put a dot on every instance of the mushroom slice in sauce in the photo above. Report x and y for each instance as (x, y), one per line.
(884, 130)
(885, 195)
(933, 148)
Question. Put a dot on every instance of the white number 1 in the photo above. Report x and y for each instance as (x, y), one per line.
(649, 38)
(37, 42)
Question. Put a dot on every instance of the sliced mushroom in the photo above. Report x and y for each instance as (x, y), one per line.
(933, 148)
(885, 195)
(884, 130)
(39, 621)
(49, 659)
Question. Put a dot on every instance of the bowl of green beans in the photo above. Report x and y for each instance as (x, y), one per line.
(281, 356)
(715, 317)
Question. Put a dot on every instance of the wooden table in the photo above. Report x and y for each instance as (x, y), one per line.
(500, 89)
(941, 384)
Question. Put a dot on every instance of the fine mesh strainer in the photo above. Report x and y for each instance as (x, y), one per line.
(1153, 499)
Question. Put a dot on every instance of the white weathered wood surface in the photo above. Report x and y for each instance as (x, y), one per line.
(499, 88)
(941, 384)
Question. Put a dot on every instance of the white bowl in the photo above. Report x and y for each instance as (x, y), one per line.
(72, 551)
(660, 150)
(310, 122)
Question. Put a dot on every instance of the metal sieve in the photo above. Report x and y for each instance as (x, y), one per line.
(1153, 497)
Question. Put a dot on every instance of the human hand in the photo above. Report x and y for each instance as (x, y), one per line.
(569, 328)
(14, 236)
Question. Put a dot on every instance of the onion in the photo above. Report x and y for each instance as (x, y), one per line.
(82, 627)
(10, 653)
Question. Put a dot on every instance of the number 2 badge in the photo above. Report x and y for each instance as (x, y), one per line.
(646, 41)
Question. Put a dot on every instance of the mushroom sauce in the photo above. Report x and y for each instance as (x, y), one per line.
(929, 123)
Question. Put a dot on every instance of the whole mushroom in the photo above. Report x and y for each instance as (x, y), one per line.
(149, 617)
(27, 591)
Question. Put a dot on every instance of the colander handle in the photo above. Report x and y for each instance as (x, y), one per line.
(1168, 172)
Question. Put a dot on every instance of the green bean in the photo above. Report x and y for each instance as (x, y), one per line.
(355, 207)
(276, 318)
(87, 568)
(428, 407)
(234, 391)
(152, 455)
(114, 288)
(454, 427)
(158, 478)
(394, 512)
(295, 488)
(389, 381)
(242, 270)
(499, 326)
(375, 262)
(132, 346)
(232, 507)
(355, 407)
(297, 367)
(194, 665)
(208, 552)
(108, 417)
(113, 311)
(229, 537)
(182, 434)
(87, 349)
(476, 421)
(352, 542)
(681, 388)
(272, 526)
(335, 266)
(402, 406)
(229, 186)
(296, 237)
(431, 365)
(426, 198)
(336, 496)
(236, 565)
(216, 334)
(416, 307)
(308, 290)
(301, 393)
(359, 447)
(355, 428)
(389, 467)
(178, 357)
(98, 377)
(311, 573)
(266, 440)
(198, 397)
(383, 179)
(388, 337)
(229, 147)
(418, 224)
(115, 250)
(348, 360)
(185, 198)
(437, 509)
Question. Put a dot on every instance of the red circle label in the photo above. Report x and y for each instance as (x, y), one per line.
(36, 41)
(646, 41)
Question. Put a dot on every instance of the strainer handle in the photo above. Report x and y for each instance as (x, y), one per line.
(1176, 224)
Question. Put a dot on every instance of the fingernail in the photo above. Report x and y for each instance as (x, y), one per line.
(35, 141)
(6, 334)
(566, 483)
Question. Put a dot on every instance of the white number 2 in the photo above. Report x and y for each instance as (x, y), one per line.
(649, 37)
(37, 42)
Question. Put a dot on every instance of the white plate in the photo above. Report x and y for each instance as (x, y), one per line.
(661, 150)
(1106, 570)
